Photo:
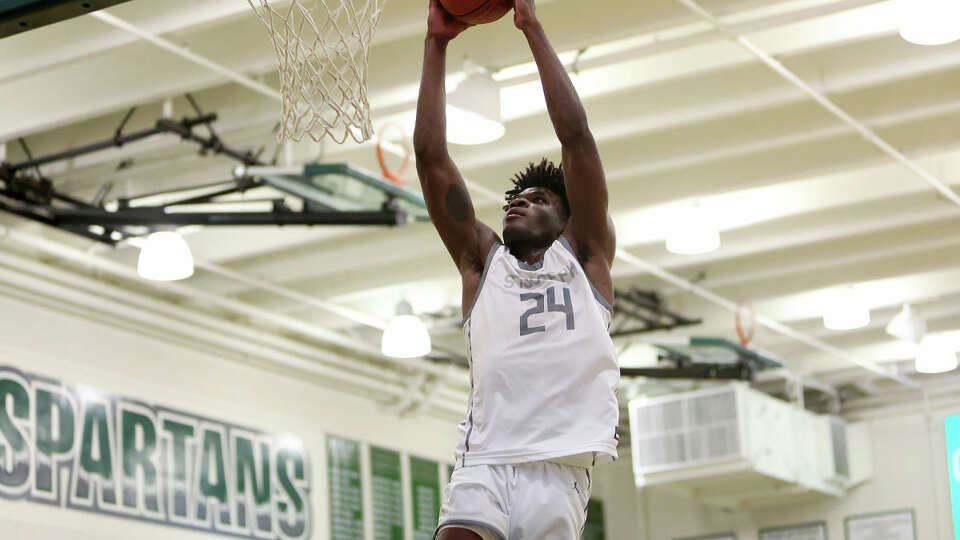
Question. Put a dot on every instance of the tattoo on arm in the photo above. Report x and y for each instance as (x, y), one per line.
(458, 202)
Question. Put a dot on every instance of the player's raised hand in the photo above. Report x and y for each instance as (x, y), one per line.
(524, 13)
(441, 24)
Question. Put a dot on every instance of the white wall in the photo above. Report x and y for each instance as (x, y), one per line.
(910, 471)
(67, 344)
(71, 348)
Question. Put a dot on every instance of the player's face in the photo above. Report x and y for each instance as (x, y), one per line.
(536, 216)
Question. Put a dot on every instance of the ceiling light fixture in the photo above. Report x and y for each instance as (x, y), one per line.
(929, 22)
(936, 355)
(165, 256)
(473, 108)
(405, 335)
(846, 311)
(907, 325)
(693, 232)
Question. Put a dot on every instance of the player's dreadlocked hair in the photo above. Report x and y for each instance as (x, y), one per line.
(545, 175)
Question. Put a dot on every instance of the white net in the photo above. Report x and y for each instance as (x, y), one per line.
(322, 48)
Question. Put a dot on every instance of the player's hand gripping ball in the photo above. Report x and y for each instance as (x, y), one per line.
(477, 11)
(441, 24)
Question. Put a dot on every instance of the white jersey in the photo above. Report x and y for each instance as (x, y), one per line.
(543, 368)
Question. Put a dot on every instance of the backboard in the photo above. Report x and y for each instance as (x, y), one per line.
(18, 16)
(704, 358)
(715, 350)
(339, 186)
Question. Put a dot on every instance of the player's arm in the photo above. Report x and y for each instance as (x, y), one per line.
(448, 202)
(589, 224)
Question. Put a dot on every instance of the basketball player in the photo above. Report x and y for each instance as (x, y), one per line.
(536, 308)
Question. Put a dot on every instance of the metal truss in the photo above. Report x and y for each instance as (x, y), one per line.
(24, 191)
(638, 310)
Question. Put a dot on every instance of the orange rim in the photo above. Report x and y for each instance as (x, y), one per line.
(395, 175)
(746, 337)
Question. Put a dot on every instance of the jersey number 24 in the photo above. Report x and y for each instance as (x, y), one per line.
(551, 306)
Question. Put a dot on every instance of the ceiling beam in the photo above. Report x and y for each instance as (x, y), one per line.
(821, 98)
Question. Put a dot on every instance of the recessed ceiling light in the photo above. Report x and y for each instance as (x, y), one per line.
(935, 355)
(846, 311)
(929, 22)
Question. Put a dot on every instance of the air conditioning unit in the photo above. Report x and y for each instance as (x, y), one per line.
(734, 446)
(843, 451)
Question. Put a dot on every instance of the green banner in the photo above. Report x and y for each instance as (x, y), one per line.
(594, 529)
(387, 494)
(425, 493)
(79, 448)
(346, 491)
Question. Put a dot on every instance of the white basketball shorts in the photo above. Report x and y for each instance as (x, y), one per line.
(541, 500)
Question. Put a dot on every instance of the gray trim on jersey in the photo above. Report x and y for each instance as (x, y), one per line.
(596, 293)
(483, 278)
(469, 523)
(466, 438)
(525, 266)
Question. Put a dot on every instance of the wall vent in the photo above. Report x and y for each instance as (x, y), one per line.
(838, 437)
(681, 430)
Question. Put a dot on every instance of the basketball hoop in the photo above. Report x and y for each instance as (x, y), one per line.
(322, 48)
(746, 325)
(396, 175)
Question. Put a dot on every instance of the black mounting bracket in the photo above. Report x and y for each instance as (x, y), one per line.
(25, 192)
(636, 311)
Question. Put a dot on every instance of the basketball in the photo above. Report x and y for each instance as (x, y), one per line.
(477, 11)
